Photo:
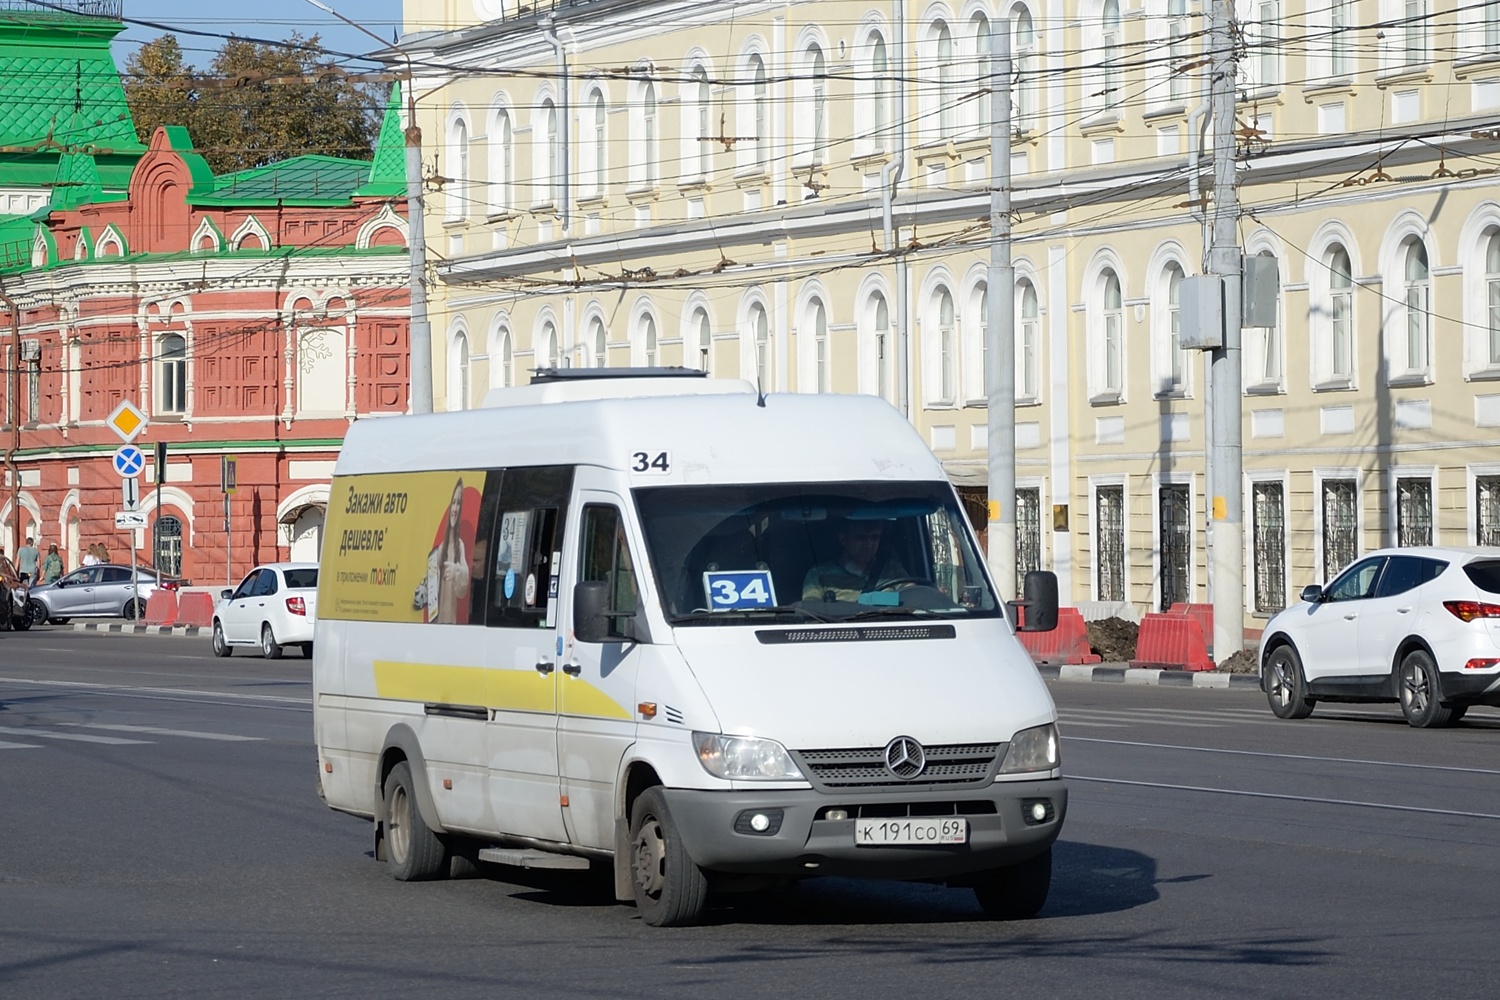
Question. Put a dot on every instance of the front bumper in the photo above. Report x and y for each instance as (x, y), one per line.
(999, 833)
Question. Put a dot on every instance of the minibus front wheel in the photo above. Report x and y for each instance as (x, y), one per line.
(670, 890)
(1017, 892)
(415, 853)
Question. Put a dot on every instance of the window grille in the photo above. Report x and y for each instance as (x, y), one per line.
(1487, 510)
(1028, 534)
(167, 545)
(1109, 541)
(1340, 525)
(1269, 505)
(1413, 512)
(1176, 524)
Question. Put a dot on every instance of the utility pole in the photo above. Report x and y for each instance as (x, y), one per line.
(1227, 525)
(1000, 337)
(419, 335)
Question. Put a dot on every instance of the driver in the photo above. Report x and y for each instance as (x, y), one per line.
(855, 571)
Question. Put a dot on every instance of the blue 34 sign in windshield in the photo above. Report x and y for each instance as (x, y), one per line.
(739, 590)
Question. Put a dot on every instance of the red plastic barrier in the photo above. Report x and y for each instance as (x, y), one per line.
(161, 608)
(1203, 614)
(1171, 642)
(1068, 643)
(196, 607)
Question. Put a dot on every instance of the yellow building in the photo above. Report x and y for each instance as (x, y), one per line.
(797, 193)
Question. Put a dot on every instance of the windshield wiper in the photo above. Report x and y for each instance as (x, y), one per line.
(898, 612)
(782, 609)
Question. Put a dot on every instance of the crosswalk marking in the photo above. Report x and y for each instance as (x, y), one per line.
(19, 746)
(157, 731)
(39, 734)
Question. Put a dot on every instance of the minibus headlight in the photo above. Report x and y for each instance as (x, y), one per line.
(744, 758)
(1034, 749)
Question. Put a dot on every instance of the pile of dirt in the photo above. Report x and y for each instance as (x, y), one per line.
(1242, 662)
(1113, 639)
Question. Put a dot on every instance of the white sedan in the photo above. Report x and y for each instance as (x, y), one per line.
(1418, 626)
(274, 606)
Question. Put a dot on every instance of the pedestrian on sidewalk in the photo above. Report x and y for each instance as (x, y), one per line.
(26, 557)
(91, 557)
(52, 566)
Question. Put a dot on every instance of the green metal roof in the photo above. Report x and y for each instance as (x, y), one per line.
(301, 180)
(388, 171)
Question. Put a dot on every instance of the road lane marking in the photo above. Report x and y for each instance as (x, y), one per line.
(278, 702)
(19, 746)
(1133, 721)
(166, 732)
(39, 734)
(1389, 806)
(1065, 720)
(1288, 756)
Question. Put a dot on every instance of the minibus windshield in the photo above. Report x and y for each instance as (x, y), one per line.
(752, 553)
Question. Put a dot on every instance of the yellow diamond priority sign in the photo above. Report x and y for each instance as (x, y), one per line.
(127, 421)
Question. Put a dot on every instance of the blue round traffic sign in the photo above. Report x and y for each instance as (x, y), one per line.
(129, 461)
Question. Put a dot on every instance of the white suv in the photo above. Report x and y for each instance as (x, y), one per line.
(1416, 625)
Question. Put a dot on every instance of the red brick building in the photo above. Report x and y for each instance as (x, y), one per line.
(253, 315)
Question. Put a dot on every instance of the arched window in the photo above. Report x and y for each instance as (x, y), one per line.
(1492, 296)
(1263, 349)
(761, 98)
(1111, 356)
(880, 83)
(171, 374)
(817, 68)
(1174, 375)
(760, 340)
(549, 352)
(507, 360)
(1112, 53)
(550, 160)
(648, 151)
(166, 545)
(458, 373)
(976, 116)
(943, 71)
(649, 352)
(1417, 304)
(947, 362)
(598, 149)
(703, 339)
(502, 163)
(598, 343)
(698, 162)
(821, 362)
(458, 163)
(1028, 332)
(1341, 314)
(975, 323)
(1023, 66)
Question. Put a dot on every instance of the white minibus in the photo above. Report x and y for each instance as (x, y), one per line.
(715, 639)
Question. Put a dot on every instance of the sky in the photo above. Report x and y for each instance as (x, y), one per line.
(276, 20)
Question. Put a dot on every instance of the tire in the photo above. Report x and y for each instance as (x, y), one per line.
(133, 610)
(221, 645)
(1459, 711)
(670, 890)
(307, 650)
(38, 612)
(24, 622)
(8, 622)
(1417, 688)
(413, 851)
(1286, 686)
(269, 647)
(1018, 892)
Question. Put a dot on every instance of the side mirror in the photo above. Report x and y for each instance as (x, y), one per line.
(1312, 594)
(225, 595)
(1039, 599)
(595, 621)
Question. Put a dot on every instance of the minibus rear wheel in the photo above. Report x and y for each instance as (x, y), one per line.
(670, 890)
(414, 851)
(1017, 892)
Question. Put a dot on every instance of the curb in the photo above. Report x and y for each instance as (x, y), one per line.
(1118, 673)
(182, 630)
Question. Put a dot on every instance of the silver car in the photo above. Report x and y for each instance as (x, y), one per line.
(93, 592)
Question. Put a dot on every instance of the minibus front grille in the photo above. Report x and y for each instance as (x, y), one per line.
(864, 767)
(853, 633)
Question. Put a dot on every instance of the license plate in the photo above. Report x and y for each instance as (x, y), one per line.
(880, 832)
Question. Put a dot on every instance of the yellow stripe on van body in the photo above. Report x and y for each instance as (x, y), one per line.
(503, 690)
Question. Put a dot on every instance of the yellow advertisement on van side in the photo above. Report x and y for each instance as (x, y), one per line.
(400, 547)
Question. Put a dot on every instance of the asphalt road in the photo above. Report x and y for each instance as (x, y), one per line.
(160, 837)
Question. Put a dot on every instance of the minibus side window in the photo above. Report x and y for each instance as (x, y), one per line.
(606, 557)
(479, 576)
(526, 552)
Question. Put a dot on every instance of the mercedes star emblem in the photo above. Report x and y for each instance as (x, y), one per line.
(905, 758)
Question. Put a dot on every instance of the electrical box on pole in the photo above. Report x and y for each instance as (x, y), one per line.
(1200, 313)
(1261, 288)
